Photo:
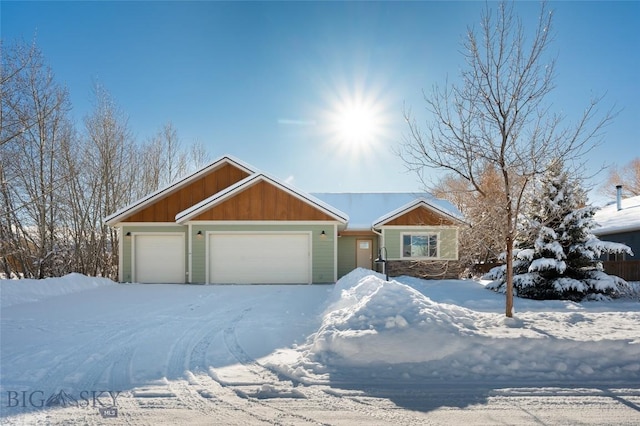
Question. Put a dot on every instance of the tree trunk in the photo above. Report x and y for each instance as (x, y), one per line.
(509, 304)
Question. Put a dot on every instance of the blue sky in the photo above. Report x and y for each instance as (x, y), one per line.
(271, 83)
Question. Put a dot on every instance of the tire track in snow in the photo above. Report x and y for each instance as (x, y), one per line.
(189, 350)
(265, 376)
(198, 355)
(111, 372)
(255, 409)
(262, 374)
(120, 374)
(67, 372)
(177, 362)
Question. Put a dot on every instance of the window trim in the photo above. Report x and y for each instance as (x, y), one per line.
(420, 234)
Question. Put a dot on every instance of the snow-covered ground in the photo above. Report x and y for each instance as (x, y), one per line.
(362, 351)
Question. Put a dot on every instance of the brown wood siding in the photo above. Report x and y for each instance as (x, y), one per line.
(420, 216)
(263, 201)
(166, 209)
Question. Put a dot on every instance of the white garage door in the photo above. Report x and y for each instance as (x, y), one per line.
(159, 259)
(259, 258)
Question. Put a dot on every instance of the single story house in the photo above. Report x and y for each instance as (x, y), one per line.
(230, 223)
(619, 222)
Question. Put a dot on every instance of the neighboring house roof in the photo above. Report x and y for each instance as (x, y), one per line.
(155, 196)
(251, 180)
(610, 220)
(368, 209)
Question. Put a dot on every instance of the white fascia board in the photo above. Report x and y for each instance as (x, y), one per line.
(610, 230)
(249, 181)
(261, 222)
(418, 202)
(123, 224)
(419, 227)
(154, 196)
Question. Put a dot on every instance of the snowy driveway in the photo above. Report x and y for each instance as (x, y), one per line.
(167, 354)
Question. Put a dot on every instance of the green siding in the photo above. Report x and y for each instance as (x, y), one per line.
(448, 244)
(392, 242)
(322, 250)
(347, 253)
(447, 241)
(127, 272)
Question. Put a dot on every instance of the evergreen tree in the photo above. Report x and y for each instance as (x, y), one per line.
(558, 256)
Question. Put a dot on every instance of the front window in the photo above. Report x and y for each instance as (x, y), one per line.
(420, 245)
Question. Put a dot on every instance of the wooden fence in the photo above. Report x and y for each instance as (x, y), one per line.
(626, 269)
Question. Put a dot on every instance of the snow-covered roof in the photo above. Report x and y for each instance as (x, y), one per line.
(610, 220)
(367, 208)
(226, 193)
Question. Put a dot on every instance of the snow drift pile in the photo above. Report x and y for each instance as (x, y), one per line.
(374, 318)
(389, 328)
(22, 291)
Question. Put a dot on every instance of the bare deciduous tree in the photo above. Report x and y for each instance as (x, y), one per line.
(482, 241)
(57, 184)
(498, 117)
(34, 128)
(164, 160)
(628, 176)
(198, 156)
(110, 158)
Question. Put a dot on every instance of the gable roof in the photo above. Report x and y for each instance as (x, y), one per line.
(251, 180)
(610, 220)
(417, 203)
(159, 194)
(369, 208)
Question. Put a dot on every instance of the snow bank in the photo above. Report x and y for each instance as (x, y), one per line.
(14, 292)
(373, 318)
(379, 327)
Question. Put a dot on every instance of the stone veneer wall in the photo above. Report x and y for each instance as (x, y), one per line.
(437, 270)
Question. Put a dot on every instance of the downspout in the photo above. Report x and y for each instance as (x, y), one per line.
(120, 253)
(381, 235)
(190, 248)
(335, 252)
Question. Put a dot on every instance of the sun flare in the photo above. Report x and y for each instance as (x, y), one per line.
(356, 124)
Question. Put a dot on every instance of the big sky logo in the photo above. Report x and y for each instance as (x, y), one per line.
(105, 401)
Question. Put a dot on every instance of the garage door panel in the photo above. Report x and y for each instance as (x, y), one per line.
(259, 258)
(159, 259)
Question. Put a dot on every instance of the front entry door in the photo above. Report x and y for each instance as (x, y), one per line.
(364, 254)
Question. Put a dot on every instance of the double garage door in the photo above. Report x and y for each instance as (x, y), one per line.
(259, 258)
(232, 258)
